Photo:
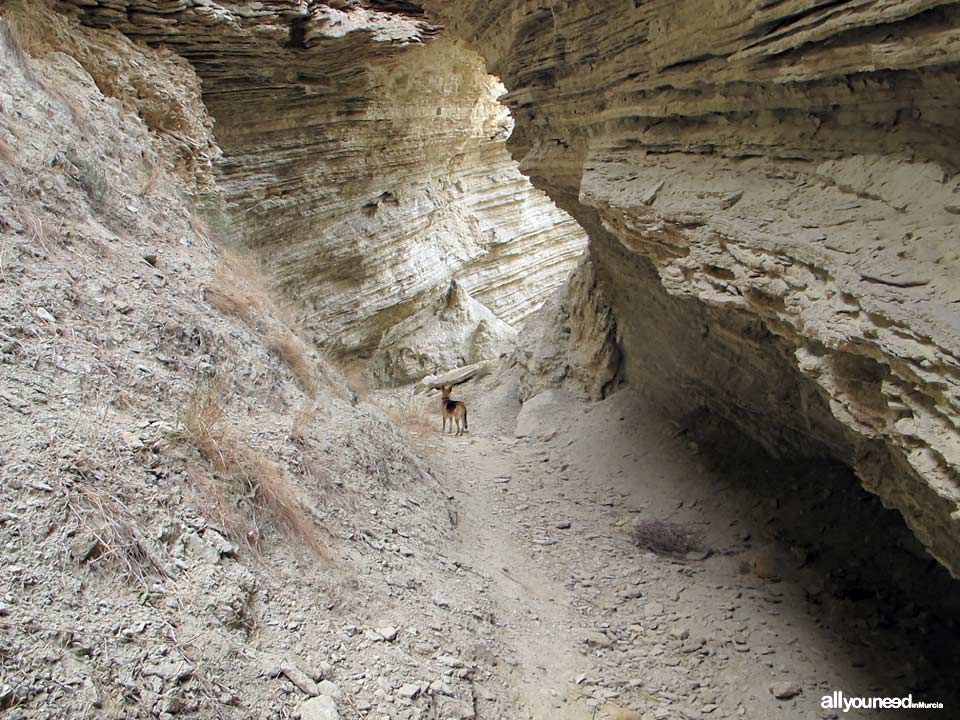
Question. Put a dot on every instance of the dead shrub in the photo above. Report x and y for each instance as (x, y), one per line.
(38, 230)
(151, 180)
(231, 296)
(356, 379)
(666, 538)
(251, 491)
(109, 535)
(306, 416)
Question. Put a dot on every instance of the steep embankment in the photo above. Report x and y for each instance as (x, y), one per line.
(196, 516)
(364, 159)
(769, 190)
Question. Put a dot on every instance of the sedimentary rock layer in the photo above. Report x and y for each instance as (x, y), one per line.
(770, 188)
(364, 158)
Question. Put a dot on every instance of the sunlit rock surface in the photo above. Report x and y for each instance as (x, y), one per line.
(453, 331)
(364, 159)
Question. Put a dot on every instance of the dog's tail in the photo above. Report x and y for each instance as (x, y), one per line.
(465, 426)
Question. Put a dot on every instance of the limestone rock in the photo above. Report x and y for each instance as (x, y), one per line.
(768, 197)
(364, 159)
(322, 707)
(540, 415)
(785, 689)
(454, 331)
(769, 194)
(572, 343)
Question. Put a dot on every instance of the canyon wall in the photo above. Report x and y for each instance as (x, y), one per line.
(770, 193)
(364, 159)
(768, 188)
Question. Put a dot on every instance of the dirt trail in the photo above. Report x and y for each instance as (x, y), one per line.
(598, 628)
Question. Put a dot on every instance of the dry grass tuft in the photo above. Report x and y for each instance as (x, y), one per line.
(415, 415)
(233, 294)
(25, 32)
(35, 227)
(251, 491)
(7, 154)
(666, 538)
(109, 530)
(240, 290)
(151, 180)
(356, 378)
(293, 352)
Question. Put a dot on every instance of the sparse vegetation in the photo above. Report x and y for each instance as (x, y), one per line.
(292, 351)
(239, 290)
(23, 31)
(109, 530)
(93, 179)
(151, 179)
(416, 415)
(246, 490)
(7, 154)
(666, 538)
(34, 225)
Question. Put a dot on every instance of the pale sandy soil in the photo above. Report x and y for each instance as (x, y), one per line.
(592, 626)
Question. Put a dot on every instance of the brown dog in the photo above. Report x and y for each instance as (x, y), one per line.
(452, 410)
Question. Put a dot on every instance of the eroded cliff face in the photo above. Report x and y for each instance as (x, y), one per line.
(364, 159)
(770, 191)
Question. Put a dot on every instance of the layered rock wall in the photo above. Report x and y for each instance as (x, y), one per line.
(364, 159)
(771, 190)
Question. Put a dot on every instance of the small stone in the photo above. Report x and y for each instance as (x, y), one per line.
(785, 690)
(409, 690)
(612, 711)
(322, 707)
(450, 661)
(219, 543)
(84, 548)
(596, 639)
(440, 601)
(387, 633)
(299, 678)
(563, 525)
(326, 687)
(728, 201)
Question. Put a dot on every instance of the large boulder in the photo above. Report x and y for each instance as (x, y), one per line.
(453, 331)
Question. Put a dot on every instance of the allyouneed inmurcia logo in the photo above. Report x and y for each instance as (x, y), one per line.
(838, 701)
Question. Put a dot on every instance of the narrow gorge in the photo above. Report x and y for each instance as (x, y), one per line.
(691, 264)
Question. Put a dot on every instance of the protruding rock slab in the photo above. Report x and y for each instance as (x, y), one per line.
(454, 377)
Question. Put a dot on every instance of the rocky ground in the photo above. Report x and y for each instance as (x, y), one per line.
(200, 517)
(773, 606)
